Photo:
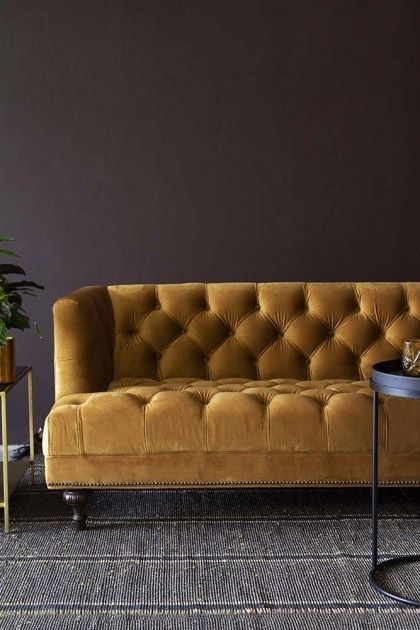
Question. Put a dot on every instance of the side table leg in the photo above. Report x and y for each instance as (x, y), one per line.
(375, 480)
(31, 417)
(5, 462)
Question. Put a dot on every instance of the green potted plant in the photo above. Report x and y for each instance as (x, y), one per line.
(12, 314)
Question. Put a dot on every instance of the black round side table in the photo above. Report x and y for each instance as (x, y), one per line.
(387, 378)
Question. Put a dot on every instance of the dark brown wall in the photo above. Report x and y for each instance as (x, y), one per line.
(167, 141)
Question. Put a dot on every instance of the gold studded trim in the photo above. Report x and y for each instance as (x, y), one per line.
(122, 484)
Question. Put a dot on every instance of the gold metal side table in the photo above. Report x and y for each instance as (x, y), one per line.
(13, 470)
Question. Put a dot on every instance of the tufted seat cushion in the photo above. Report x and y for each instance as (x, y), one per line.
(228, 416)
(258, 416)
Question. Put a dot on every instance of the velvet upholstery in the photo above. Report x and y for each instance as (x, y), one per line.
(234, 383)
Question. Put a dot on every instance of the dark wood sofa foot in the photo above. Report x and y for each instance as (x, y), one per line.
(78, 499)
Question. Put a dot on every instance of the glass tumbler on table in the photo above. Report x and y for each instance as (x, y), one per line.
(411, 357)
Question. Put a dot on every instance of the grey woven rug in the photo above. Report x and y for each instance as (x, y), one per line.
(270, 559)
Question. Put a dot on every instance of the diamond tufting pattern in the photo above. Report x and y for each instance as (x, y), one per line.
(260, 331)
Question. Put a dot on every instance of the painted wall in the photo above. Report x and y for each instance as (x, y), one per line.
(182, 140)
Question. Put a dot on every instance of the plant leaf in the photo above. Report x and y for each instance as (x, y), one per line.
(24, 292)
(19, 320)
(24, 284)
(3, 332)
(5, 312)
(8, 252)
(11, 269)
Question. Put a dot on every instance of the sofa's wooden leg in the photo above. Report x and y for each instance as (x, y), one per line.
(77, 499)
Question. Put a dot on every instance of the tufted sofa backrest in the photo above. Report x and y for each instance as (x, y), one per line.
(260, 331)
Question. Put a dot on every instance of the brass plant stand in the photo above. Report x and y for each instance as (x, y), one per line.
(13, 470)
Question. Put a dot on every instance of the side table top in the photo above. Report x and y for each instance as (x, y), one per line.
(387, 378)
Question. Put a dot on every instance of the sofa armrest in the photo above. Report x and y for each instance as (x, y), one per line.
(83, 341)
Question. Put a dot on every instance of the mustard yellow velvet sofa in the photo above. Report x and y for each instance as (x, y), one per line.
(236, 384)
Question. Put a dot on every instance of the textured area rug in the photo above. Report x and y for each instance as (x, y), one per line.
(284, 558)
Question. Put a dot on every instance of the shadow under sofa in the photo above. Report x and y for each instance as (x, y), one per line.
(227, 384)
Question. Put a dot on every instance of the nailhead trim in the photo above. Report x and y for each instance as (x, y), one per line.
(227, 483)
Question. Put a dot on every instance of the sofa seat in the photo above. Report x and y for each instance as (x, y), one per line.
(227, 415)
(227, 431)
